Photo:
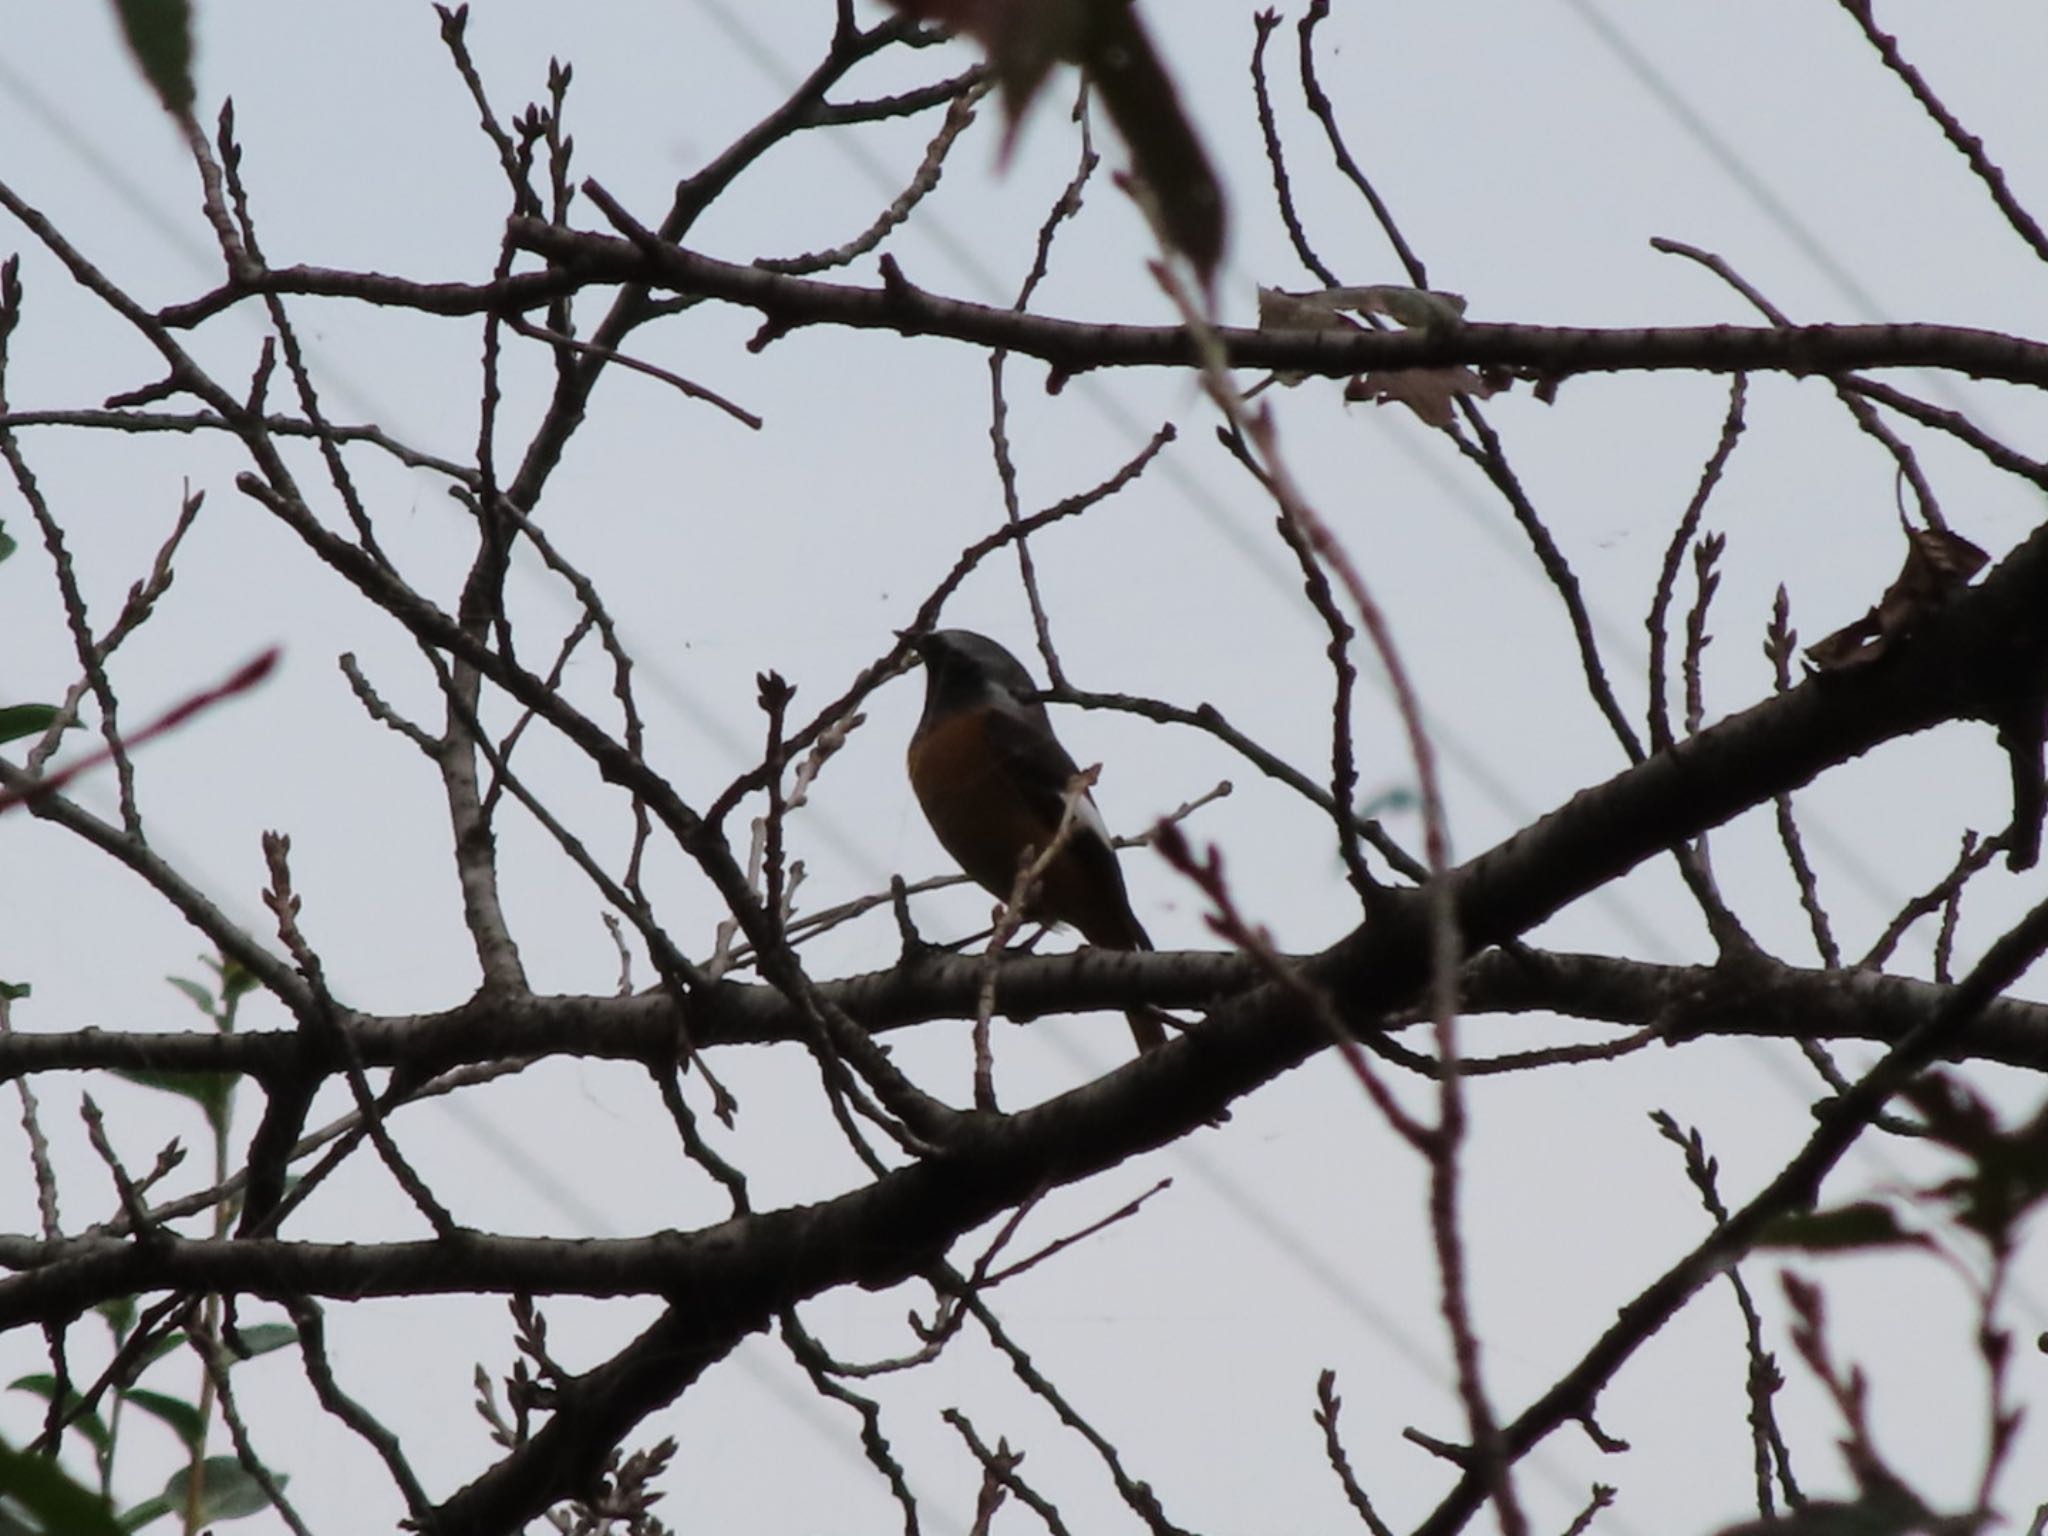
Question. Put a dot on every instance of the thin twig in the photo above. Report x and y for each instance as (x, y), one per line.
(32, 1127)
(214, 1357)
(208, 421)
(1210, 720)
(1328, 1403)
(1667, 574)
(91, 658)
(1967, 144)
(874, 1444)
(1764, 1380)
(1972, 859)
(1124, 1212)
(311, 1327)
(1263, 23)
(959, 115)
(1066, 206)
(1137, 1496)
(999, 1476)
(676, 381)
(1319, 104)
(1849, 389)
(1490, 456)
(1781, 643)
(454, 28)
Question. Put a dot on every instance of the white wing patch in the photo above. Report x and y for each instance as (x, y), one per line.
(1091, 820)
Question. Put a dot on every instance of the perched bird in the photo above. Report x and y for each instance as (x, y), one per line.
(993, 781)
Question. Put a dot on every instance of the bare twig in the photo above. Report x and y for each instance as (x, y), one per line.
(32, 1127)
(1263, 23)
(989, 1280)
(1319, 104)
(1137, 1496)
(213, 1356)
(874, 1444)
(1850, 390)
(999, 1477)
(676, 381)
(1327, 1405)
(959, 115)
(1764, 1379)
(311, 1326)
(1973, 857)
(1066, 206)
(1674, 552)
(1781, 643)
(1967, 144)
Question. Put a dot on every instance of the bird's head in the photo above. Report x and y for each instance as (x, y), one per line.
(961, 666)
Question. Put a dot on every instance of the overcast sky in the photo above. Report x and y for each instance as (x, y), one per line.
(1531, 151)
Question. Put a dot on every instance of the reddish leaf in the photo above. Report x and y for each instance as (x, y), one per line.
(1025, 38)
(1139, 95)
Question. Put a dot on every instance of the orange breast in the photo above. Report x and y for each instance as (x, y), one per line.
(977, 813)
(985, 820)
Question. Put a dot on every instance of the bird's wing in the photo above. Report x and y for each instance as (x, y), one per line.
(1040, 769)
(1089, 893)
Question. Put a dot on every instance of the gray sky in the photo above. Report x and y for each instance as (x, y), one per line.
(1530, 151)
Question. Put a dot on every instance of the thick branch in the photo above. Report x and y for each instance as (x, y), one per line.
(1071, 346)
(1687, 1002)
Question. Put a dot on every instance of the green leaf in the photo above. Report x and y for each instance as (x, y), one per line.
(236, 980)
(52, 1500)
(137, 1516)
(44, 1385)
(19, 720)
(160, 36)
(201, 998)
(14, 991)
(1865, 1224)
(119, 1312)
(7, 544)
(157, 1348)
(185, 1420)
(211, 1091)
(228, 1491)
(1387, 802)
(262, 1338)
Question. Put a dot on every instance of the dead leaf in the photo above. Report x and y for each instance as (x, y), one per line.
(1428, 392)
(1280, 310)
(1938, 563)
(1416, 309)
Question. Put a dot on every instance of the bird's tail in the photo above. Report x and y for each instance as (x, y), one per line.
(1148, 1025)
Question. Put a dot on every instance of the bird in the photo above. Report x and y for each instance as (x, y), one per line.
(993, 781)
